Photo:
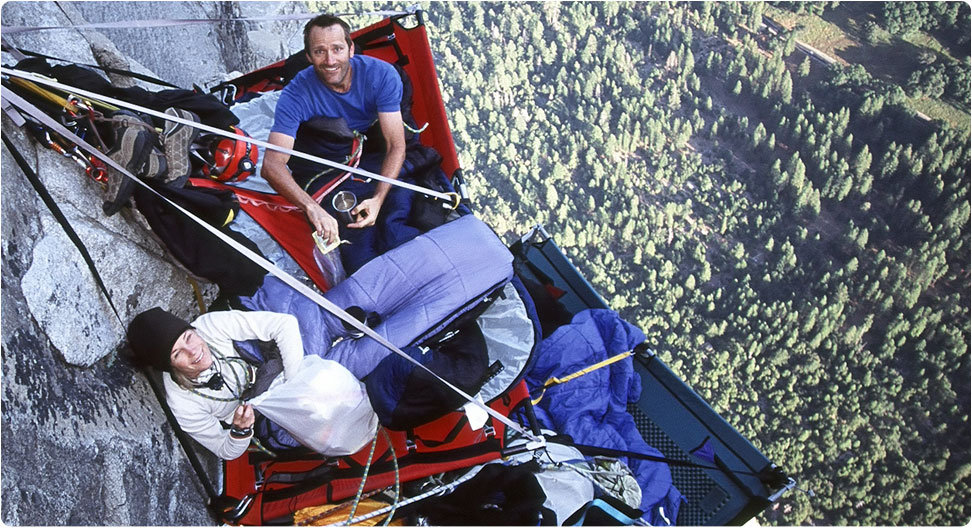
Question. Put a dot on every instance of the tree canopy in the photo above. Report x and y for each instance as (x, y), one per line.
(792, 239)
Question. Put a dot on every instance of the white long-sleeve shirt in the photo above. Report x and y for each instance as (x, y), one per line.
(199, 416)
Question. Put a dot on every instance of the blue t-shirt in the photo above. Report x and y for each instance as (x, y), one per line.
(375, 87)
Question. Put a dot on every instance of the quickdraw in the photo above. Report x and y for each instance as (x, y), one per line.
(93, 167)
(73, 107)
(80, 106)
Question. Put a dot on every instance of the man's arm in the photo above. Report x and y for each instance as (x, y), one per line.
(394, 131)
(278, 175)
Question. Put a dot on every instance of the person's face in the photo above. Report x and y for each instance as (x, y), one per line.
(330, 55)
(190, 354)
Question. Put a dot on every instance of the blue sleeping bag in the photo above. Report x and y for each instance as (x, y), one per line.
(414, 290)
(592, 408)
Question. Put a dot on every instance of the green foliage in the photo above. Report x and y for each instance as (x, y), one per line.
(903, 18)
(797, 252)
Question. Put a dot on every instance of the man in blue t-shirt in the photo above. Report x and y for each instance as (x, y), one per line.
(341, 84)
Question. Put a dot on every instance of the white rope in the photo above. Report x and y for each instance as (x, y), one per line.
(32, 111)
(166, 22)
(40, 79)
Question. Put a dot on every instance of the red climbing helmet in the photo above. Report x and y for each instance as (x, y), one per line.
(231, 159)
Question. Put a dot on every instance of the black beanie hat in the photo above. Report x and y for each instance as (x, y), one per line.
(152, 334)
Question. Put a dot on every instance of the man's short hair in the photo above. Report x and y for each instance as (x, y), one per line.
(324, 21)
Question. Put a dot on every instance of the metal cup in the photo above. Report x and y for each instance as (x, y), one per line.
(343, 203)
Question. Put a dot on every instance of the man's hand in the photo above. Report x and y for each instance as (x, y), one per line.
(324, 224)
(366, 212)
(392, 128)
(278, 175)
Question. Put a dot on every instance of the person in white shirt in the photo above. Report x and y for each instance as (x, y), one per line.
(207, 377)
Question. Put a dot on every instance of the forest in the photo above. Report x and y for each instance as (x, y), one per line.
(792, 234)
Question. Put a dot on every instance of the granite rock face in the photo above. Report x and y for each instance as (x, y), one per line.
(84, 440)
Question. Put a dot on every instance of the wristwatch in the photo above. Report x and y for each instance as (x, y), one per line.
(240, 433)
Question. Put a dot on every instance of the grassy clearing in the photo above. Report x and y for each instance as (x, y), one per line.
(839, 33)
(825, 36)
(925, 41)
(938, 110)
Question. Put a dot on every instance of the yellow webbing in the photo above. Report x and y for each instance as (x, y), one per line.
(557, 381)
(54, 98)
(198, 293)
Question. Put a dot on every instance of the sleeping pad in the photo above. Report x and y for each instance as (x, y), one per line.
(412, 290)
(592, 409)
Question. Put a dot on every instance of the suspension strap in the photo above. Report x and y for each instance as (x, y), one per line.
(357, 147)
(772, 476)
(446, 197)
(23, 54)
(169, 22)
(262, 262)
(18, 55)
(186, 444)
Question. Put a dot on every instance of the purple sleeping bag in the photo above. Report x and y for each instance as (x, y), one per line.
(417, 287)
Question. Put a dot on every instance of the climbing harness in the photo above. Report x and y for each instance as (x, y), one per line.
(357, 147)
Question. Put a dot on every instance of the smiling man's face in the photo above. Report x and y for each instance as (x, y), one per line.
(329, 53)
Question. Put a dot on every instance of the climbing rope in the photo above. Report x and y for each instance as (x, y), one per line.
(440, 490)
(364, 478)
(241, 385)
(398, 482)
